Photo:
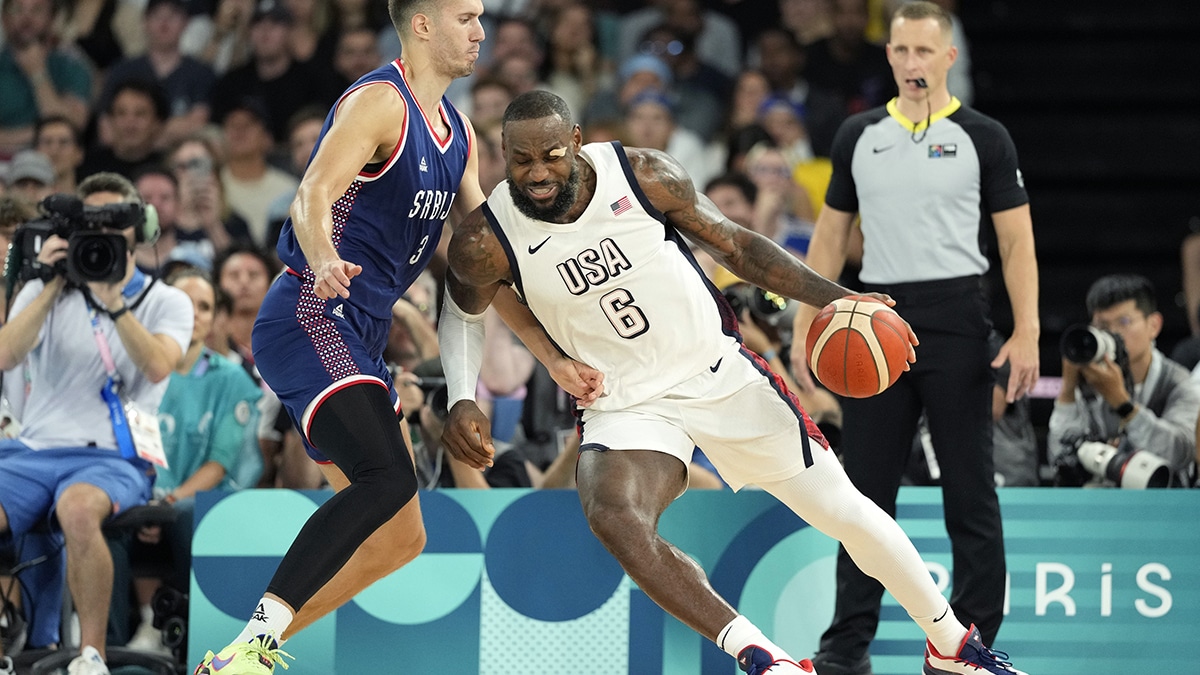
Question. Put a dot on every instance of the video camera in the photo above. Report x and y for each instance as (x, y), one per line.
(93, 255)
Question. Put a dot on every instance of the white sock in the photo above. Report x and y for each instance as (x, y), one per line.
(944, 630)
(147, 614)
(740, 633)
(270, 617)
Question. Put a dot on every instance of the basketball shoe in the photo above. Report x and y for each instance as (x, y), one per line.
(256, 657)
(827, 663)
(972, 659)
(757, 661)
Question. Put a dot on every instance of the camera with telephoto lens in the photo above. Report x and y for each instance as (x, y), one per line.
(1122, 464)
(1083, 344)
(93, 255)
(767, 308)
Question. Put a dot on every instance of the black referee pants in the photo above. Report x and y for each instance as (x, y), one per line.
(952, 382)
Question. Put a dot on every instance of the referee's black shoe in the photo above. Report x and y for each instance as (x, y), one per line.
(833, 664)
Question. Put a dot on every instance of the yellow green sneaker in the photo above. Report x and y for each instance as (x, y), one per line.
(257, 657)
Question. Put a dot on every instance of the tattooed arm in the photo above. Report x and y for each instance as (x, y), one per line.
(747, 254)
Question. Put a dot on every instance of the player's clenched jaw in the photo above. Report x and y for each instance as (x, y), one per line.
(459, 34)
(542, 167)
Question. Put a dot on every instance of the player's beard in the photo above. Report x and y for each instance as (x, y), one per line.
(567, 194)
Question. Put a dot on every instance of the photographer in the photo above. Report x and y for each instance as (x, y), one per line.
(1120, 390)
(93, 349)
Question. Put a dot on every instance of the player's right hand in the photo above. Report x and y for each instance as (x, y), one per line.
(332, 278)
(467, 435)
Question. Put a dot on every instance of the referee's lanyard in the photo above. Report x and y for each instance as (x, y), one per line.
(111, 392)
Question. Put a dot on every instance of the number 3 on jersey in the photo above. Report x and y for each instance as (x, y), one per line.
(420, 249)
(626, 317)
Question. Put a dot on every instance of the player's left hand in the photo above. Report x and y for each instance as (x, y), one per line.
(468, 435)
(582, 381)
(1022, 355)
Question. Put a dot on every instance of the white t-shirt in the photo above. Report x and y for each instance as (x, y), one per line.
(66, 374)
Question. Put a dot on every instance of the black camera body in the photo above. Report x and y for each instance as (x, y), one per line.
(93, 255)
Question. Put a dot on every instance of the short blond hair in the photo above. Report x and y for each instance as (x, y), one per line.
(916, 11)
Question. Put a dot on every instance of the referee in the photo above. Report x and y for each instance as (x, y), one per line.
(923, 172)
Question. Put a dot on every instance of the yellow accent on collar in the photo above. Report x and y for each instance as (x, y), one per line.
(914, 127)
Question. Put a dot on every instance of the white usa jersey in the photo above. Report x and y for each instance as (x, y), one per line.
(617, 289)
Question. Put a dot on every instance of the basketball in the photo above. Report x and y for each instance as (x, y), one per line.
(857, 346)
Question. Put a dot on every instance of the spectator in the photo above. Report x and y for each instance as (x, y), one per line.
(716, 36)
(86, 473)
(226, 42)
(309, 37)
(30, 177)
(38, 78)
(650, 123)
(357, 53)
(698, 85)
(303, 131)
(784, 63)
(102, 30)
(129, 130)
(1152, 406)
(489, 97)
(249, 182)
(204, 216)
(808, 20)
(158, 186)
(186, 82)
(782, 212)
(59, 140)
(846, 64)
(750, 91)
(783, 121)
(574, 66)
(208, 419)
(273, 75)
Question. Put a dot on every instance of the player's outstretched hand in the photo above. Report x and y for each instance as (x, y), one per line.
(333, 278)
(582, 381)
(468, 435)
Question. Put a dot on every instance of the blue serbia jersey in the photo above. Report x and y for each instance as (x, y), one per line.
(390, 218)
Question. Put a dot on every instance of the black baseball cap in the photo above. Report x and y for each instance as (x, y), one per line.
(273, 10)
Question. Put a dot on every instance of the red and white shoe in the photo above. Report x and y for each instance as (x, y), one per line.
(757, 661)
(972, 659)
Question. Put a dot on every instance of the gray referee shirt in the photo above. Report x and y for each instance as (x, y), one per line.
(922, 195)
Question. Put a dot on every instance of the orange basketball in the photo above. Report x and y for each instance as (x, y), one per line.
(857, 346)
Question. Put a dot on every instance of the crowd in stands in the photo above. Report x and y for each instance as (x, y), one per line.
(212, 107)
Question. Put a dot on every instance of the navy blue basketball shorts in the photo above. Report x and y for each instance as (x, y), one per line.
(308, 349)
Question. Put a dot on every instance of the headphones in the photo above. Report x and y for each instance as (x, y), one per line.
(149, 230)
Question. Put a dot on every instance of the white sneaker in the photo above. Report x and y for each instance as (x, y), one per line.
(147, 638)
(87, 663)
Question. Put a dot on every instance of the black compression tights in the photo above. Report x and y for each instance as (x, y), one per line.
(357, 429)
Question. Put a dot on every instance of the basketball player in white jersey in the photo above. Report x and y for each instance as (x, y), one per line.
(590, 237)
